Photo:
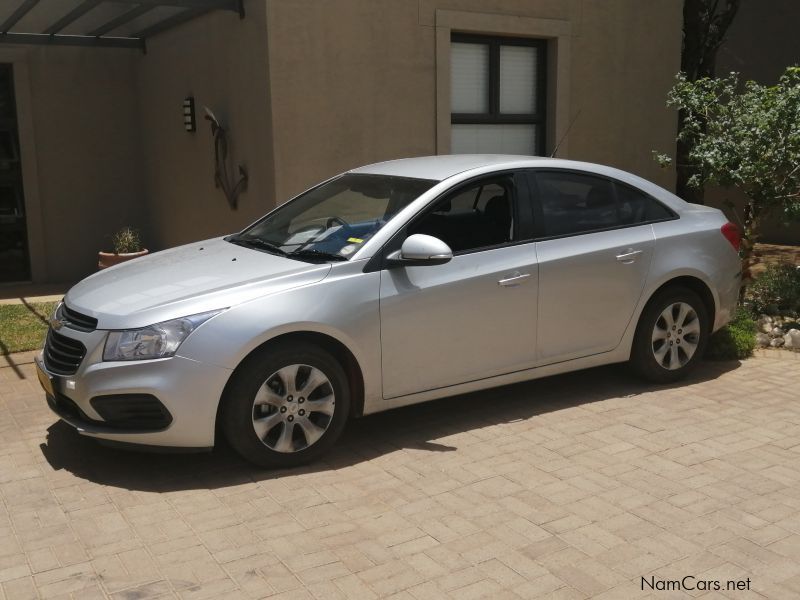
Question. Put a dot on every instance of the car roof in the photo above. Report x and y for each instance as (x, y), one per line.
(441, 167)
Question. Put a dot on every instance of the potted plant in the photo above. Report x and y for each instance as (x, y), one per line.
(127, 246)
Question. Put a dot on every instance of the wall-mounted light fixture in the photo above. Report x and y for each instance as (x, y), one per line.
(188, 114)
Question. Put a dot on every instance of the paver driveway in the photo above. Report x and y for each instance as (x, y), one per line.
(568, 487)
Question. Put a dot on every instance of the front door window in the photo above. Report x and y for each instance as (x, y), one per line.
(479, 215)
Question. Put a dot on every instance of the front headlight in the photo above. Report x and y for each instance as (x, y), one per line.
(154, 341)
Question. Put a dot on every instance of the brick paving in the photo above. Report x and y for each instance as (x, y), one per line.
(569, 487)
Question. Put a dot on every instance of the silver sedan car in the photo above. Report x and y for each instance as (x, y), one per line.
(388, 285)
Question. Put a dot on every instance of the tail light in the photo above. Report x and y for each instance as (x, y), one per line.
(732, 234)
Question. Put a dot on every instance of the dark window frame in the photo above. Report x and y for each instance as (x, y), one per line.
(494, 116)
(540, 235)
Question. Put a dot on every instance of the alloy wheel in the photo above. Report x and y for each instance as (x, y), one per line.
(676, 336)
(293, 408)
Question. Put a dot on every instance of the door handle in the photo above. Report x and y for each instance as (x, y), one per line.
(628, 256)
(515, 279)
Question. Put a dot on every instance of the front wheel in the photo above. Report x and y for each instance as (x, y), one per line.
(671, 336)
(286, 406)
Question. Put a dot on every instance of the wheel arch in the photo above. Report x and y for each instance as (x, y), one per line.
(641, 349)
(695, 284)
(334, 347)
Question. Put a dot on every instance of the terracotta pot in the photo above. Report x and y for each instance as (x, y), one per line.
(109, 259)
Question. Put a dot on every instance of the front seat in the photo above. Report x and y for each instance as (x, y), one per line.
(497, 216)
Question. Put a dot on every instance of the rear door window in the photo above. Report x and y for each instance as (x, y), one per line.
(574, 203)
(637, 207)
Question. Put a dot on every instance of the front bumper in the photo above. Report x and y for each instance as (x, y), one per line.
(188, 391)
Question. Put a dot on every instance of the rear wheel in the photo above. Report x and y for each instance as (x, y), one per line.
(671, 336)
(286, 406)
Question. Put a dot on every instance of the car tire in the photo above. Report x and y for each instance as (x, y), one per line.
(262, 403)
(672, 317)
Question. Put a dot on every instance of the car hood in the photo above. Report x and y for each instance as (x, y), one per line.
(186, 280)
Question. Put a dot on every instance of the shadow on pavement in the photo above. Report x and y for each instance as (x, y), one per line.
(8, 358)
(414, 427)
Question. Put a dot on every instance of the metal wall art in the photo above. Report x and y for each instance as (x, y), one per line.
(222, 178)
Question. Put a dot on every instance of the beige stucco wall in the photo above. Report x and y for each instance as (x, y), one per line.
(104, 145)
(79, 135)
(351, 82)
(761, 41)
(308, 88)
(221, 60)
(624, 61)
(355, 81)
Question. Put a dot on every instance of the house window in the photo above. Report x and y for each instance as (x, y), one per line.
(497, 95)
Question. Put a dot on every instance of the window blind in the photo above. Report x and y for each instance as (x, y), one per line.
(469, 78)
(518, 80)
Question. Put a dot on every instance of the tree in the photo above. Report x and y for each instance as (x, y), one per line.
(747, 137)
(705, 23)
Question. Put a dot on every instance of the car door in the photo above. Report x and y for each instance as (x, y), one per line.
(475, 316)
(592, 265)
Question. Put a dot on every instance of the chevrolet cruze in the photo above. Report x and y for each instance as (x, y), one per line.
(390, 284)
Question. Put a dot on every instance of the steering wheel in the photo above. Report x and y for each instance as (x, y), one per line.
(333, 220)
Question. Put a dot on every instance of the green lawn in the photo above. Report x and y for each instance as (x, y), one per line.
(23, 327)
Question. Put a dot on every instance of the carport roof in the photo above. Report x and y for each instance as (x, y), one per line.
(107, 23)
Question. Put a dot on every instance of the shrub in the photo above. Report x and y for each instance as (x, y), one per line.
(736, 340)
(126, 240)
(776, 291)
(747, 136)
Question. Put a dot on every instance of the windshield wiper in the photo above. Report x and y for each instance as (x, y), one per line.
(254, 242)
(315, 254)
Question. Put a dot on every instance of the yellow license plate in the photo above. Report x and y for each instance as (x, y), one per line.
(45, 380)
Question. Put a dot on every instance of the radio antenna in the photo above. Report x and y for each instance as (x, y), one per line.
(566, 133)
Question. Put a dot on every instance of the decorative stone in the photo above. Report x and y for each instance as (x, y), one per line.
(777, 332)
(762, 339)
(765, 324)
(792, 339)
(776, 342)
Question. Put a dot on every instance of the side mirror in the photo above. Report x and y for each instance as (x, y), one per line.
(419, 250)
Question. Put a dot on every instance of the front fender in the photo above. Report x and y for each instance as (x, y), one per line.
(344, 306)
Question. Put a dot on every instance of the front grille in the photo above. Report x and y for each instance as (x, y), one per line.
(132, 411)
(77, 320)
(62, 355)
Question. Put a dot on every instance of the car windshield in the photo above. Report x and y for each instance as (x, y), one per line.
(333, 220)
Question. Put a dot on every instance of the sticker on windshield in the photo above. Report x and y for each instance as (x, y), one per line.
(349, 249)
(355, 240)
